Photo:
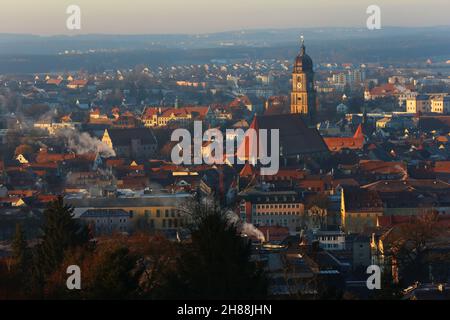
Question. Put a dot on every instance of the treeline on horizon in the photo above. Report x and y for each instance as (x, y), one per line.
(40, 54)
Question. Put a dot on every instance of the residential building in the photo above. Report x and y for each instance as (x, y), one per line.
(359, 209)
(263, 206)
(107, 221)
(420, 103)
(135, 143)
(159, 211)
(440, 104)
(330, 240)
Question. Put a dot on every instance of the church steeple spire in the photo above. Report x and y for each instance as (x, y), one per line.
(302, 47)
(303, 95)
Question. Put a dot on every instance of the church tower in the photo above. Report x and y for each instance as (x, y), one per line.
(303, 96)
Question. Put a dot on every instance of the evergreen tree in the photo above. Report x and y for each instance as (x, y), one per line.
(216, 265)
(60, 232)
(20, 249)
(115, 276)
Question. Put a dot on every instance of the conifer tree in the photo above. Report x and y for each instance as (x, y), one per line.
(20, 249)
(60, 232)
(216, 264)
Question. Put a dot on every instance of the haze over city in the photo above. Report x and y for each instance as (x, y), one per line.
(204, 16)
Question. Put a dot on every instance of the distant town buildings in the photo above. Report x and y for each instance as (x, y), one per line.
(363, 151)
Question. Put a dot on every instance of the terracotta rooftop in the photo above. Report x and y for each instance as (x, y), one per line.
(338, 143)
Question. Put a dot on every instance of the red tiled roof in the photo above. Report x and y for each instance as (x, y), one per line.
(391, 221)
(442, 167)
(44, 157)
(407, 185)
(245, 150)
(345, 182)
(49, 165)
(128, 114)
(21, 193)
(247, 171)
(294, 174)
(47, 198)
(115, 162)
(90, 156)
(54, 81)
(317, 185)
(274, 233)
(295, 137)
(385, 167)
(40, 173)
(150, 112)
(78, 83)
(388, 89)
(339, 143)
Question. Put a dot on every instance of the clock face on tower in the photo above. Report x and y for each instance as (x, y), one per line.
(299, 85)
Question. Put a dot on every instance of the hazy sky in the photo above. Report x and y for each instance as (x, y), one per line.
(203, 16)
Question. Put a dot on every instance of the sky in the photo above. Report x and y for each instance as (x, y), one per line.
(48, 17)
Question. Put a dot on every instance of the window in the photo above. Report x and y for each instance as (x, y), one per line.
(158, 213)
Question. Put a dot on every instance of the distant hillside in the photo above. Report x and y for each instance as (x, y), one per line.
(28, 53)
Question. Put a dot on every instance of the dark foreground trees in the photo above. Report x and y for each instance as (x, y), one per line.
(32, 267)
(60, 233)
(417, 248)
(216, 264)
